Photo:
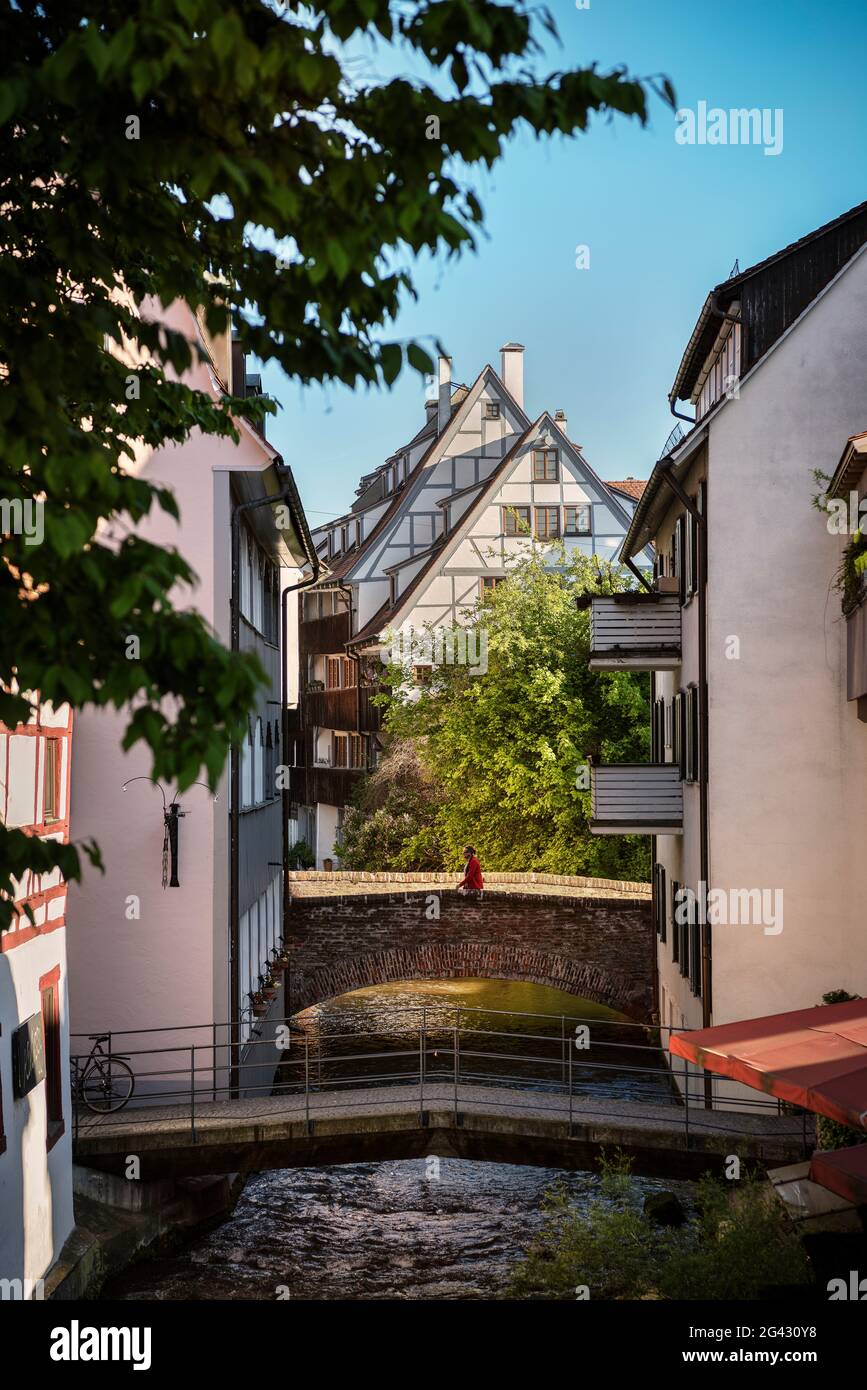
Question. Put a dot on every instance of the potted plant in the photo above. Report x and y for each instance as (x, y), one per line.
(258, 1005)
(267, 989)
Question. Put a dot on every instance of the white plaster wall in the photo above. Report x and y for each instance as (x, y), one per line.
(35, 1185)
(170, 965)
(788, 756)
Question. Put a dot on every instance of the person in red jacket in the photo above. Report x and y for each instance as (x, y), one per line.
(472, 881)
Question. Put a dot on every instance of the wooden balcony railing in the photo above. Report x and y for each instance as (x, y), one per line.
(637, 799)
(641, 632)
(321, 636)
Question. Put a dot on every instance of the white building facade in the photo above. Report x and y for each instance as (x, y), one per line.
(438, 523)
(151, 947)
(35, 1105)
(757, 791)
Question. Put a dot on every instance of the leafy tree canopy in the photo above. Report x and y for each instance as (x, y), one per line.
(509, 745)
(218, 152)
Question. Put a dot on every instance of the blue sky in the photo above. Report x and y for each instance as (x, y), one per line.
(664, 222)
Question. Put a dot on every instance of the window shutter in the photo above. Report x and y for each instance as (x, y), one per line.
(675, 929)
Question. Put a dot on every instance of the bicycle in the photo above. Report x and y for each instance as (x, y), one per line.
(105, 1083)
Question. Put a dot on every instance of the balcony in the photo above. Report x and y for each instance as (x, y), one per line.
(332, 785)
(324, 636)
(331, 709)
(350, 709)
(637, 799)
(633, 631)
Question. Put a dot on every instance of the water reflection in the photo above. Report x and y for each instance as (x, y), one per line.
(504, 1031)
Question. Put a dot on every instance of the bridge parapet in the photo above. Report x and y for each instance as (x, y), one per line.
(318, 882)
(588, 940)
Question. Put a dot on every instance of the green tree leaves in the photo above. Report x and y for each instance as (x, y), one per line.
(506, 748)
(162, 153)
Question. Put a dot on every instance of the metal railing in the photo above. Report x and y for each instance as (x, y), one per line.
(442, 1053)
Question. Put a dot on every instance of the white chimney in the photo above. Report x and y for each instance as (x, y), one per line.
(512, 370)
(444, 408)
(561, 422)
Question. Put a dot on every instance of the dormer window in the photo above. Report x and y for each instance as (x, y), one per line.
(358, 533)
(545, 465)
(492, 410)
(344, 538)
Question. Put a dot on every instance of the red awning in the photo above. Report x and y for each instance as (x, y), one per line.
(843, 1171)
(815, 1058)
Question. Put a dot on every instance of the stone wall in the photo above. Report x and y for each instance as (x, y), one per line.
(596, 947)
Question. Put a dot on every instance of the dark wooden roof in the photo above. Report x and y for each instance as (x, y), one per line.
(772, 294)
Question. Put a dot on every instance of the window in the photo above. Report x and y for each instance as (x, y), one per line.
(358, 533)
(695, 954)
(350, 670)
(679, 555)
(657, 732)
(422, 674)
(545, 465)
(392, 589)
(51, 779)
(692, 556)
(247, 768)
(490, 582)
(49, 992)
(691, 760)
(356, 751)
(577, 521)
(270, 791)
(678, 731)
(547, 522)
(492, 410)
(340, 751)
(659, 900)
(344, 538)
(259, 766)
(685, 913)
(675, 938)
(332, 672)
(516, 521)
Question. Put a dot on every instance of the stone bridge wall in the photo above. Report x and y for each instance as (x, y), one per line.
(590, 938)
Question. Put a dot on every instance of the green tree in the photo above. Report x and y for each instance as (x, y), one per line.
(510, 746)
(395, 822)
(219, 152)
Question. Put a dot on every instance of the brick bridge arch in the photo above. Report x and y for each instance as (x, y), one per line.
(590, 938)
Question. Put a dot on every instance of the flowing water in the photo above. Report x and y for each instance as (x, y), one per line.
(414, 1228)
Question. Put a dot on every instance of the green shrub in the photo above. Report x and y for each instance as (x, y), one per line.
(737, 1244)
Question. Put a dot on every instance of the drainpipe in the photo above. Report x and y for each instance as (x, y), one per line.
(290, 498)
(310, 552)
(704, 838)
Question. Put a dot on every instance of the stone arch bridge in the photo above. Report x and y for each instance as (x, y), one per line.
(589, 937)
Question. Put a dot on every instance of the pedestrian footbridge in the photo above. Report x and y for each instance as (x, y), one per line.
(469, 1083)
